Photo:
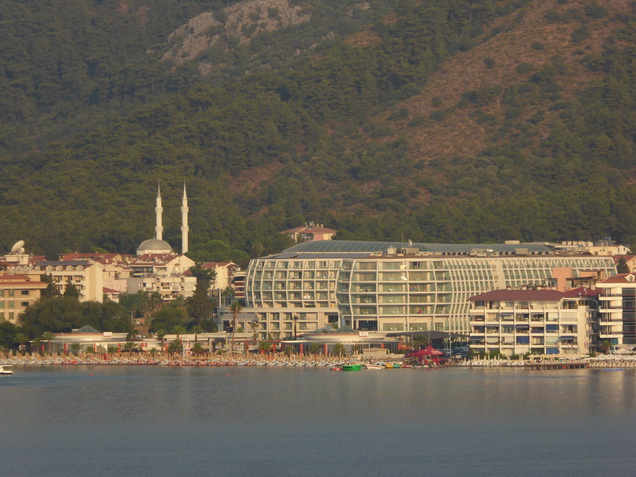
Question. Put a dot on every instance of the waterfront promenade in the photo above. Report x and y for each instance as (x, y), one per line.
(294, 360)
(209, 360)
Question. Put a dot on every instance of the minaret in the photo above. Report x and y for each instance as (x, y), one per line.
(184, 221)
(159, 214)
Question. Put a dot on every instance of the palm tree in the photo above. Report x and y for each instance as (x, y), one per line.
(255, 330)
(150, 303)
(235, 308)
(177, 344)
(196, 329)
(47, 336)
(161, 334)
(22, 339)
(175, 347)
(75, 348)
(179, 330)
(197, 349)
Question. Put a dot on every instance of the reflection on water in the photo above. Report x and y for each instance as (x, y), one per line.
(246, 421)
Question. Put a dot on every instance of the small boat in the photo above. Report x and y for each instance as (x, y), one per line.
(374, 366)
(352, 367)
(6, 372)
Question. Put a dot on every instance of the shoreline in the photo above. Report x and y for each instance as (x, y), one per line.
(304, 361)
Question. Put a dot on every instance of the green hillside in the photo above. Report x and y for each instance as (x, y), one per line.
(464, 121)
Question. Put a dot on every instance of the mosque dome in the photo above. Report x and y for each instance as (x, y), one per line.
(154, 245)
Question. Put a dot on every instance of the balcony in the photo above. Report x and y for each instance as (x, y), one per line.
(608, 319)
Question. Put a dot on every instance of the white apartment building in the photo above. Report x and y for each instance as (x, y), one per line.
(86, 276)
(617, 309)
(162, 273)
(516, 322)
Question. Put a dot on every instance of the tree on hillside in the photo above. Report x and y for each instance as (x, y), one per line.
(71, 290)
(50, 290)
(150, 303)
(621, 266)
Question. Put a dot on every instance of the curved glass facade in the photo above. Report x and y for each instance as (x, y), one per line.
(403, 289)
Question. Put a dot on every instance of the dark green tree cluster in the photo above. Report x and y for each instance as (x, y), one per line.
(302, 138)
(65, 313)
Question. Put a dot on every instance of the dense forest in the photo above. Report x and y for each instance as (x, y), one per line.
(436, 121)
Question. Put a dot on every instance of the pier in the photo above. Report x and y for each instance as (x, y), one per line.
(557, 365)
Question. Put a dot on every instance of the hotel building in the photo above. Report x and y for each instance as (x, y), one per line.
(17, 292)
(516, 322)
(617, 309)
(390, 287)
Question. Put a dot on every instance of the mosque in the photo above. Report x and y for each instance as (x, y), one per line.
(157, 245)
(157, 268)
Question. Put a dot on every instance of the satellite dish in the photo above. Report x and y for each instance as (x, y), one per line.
(17, 247)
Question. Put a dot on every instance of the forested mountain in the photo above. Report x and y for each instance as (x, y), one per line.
(445, 120)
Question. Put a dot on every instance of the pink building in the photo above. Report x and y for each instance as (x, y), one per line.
(310, 233)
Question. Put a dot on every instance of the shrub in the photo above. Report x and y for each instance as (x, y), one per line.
(580, 34)
(401, 113)
(523, 68)
(594, 10)
(417, 121)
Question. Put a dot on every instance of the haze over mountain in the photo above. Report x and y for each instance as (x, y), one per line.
(467, 121)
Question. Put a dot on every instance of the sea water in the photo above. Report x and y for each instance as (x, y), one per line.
(138, 420)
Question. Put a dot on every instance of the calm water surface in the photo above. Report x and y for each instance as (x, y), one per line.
(284, 422)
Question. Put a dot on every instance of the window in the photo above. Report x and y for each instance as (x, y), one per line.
(25, 292)
(392, 326)
(417, 326)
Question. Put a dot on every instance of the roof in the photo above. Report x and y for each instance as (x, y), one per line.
(309, 229)
(621, 278)
(217, 264)
(98, 256)
(149, 259)
(364, 247)
(519, 295)
(317, 230)
(581, 292)
(86, 329)
(154, 244)
(64, 263)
